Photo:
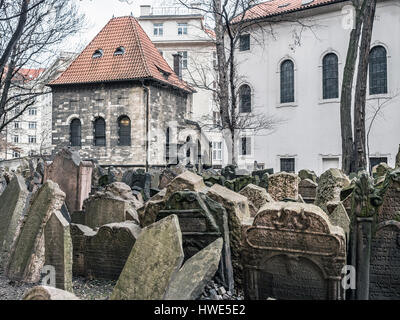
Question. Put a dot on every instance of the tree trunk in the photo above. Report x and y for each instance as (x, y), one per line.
(360, 159)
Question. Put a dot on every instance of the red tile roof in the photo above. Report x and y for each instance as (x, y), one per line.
(277, 7)
(141, 59)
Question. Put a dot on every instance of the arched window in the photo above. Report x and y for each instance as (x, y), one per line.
(287, 81)
(378, 70)
(244, 99)
(75, 133)
(124, 131)
(99, 132)
(330, 76)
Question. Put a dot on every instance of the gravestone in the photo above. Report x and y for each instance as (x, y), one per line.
(308, 174)
(80, 235)
(380, 170)
(138, 178)
(48, 293)
(58, 249)
(239, 183)
(202, 221)
(283, 186)
(385, 262)
(73, 176)
(27, 256)
(196, 273)
(185, 181)
(257, 197)
(292, 251)
(237, 208)
(148, 214)
(13, 204)
(107, 250)
(390, 193)
(308, 190)
(330, 184)
(338, 215)
(153, 262)
(168, 175)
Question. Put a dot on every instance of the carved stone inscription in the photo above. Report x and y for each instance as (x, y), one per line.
(385, 262)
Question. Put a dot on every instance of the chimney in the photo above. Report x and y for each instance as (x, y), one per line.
(145, 10)
(178, 64)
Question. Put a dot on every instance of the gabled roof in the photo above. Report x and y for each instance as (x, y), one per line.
(278, 7)
(141, 59)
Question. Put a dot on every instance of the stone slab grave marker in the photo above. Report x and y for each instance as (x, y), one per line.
(153, 262)
(283, 186)
(385, 262)
(58, 249)
(48, 293)
(257, 197)
(202, 221)
(390, 192)
(185, 181)
(73, 176)
(291, 251)
(138, 178)
(79, 234)
(308, 190)
(330, 184)
(196, 273)
(27, 256)
(13, 204)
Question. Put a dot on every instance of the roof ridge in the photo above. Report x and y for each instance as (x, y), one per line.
(132, 20)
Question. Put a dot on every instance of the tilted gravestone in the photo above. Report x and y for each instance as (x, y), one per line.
(196, 273)
(73, 176)
(330, 184)
(283, 186)
(202, 221)
(153, 262)
(13, 204)
(308, 190)
(138, 178)
(27, 256)
(390, 192)
(291, 251)
(257, 197)
(58, 250)
(79, 234)
(385, 262)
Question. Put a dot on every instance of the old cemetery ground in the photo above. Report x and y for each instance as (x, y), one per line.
(70, 229)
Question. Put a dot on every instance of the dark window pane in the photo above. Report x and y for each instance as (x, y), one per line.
(124, 125)
(377, 70)
(244, 42)
(245, 146)
(287, 81)
(244, 99)
(373, 161)
(287, 164)
(167, 143)
(330, 76)
(99, 132)
(75, 133)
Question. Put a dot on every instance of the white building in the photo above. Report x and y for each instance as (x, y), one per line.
(30, 134)
(175, 29)
(300, 82)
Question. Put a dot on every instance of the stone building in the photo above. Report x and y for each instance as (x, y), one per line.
(119, 102)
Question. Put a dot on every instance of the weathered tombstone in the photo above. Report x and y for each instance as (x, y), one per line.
(80, 235)
(229, 172)
(331, 182)
(239, 183)
(390, 192)
(308, 174)
(308, 190)
(13, 204)
(115, 204)
(283, 186)
(385, 262)
(148, 214)
(73, 175)
(58, 250)
(153, 262)
(108, 249)
(238, 211)
(380, 170)
(168, 175)
(202, 221)
(338, 215)
(27, 255)
(292, 251)
(196, 273)
(257, 197)
(398, 159)
(48, 293)
(185, 181)
(138, 178)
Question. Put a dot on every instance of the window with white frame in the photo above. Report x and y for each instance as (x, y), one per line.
(16, 139)
(182, 28)
(16, 154)
(32, 139)
(328, 163)
(245, 146)
(32, 111)
(184, 60)
(217, 150)
(373, 161)
(216, 118)
(16, 125)
(158, 29)
(32, 125)
(288, 165)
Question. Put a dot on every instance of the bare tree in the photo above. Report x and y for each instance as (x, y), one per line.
(31, 32)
